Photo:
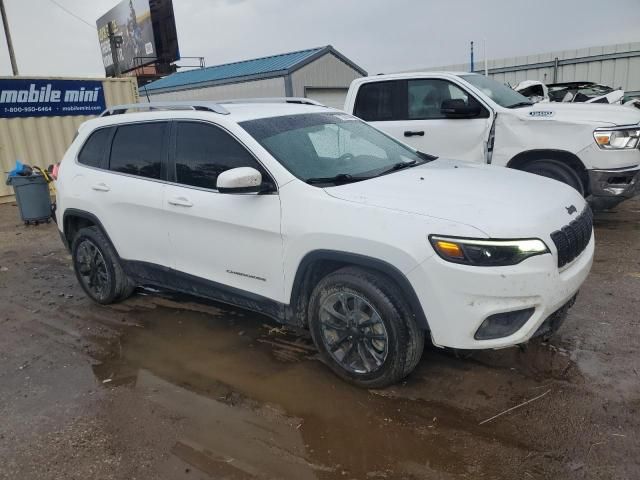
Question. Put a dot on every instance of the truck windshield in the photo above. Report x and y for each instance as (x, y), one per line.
(331, 148)
(499, 93)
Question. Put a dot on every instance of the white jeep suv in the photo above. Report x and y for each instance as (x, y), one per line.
(318, 220)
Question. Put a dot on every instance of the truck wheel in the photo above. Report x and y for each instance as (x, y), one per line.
(557, 171)
(97, 267)
(363, 328)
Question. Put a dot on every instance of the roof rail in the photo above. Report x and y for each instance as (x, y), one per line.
(299, 100)
(202, 106)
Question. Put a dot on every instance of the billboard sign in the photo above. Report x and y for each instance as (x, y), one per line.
(50, 98)
(147, 32)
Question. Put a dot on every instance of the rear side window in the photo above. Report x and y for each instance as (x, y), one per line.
(93, 151)
(204, 151)
(375, 101)
(137, 149)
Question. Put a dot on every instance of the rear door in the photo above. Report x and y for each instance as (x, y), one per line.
(232, 240)
(128, 191)
(410, 110)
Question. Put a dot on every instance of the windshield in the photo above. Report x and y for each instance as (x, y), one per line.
(318, 147)
(499, 93)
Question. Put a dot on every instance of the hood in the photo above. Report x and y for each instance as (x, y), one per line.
(501, 202)
(593, 113)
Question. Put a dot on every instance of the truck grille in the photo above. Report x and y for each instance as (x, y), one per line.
(572, 239)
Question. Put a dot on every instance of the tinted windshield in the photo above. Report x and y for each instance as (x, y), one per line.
(499, 93)
(326, 145)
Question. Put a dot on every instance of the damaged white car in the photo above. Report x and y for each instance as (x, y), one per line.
(570, 92)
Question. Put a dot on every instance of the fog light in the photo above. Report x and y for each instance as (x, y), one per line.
(503, 324)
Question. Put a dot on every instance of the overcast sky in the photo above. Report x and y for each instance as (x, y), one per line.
(379, 35)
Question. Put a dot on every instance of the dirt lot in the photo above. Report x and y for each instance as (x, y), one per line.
(161, 387)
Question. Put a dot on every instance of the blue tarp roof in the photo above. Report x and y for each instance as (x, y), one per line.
(257, 66)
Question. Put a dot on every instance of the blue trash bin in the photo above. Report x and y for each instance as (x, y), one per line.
(33, 197)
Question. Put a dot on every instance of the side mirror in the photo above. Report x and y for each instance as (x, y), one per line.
(240, 180)
(457, 108)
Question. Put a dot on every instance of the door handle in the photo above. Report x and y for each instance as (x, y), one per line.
(418, 133)
(101, 187)
(180, 202)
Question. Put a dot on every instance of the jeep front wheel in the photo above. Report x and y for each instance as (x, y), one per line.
(363, 328)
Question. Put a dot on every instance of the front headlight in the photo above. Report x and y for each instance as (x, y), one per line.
(486, 253)
(617, 138)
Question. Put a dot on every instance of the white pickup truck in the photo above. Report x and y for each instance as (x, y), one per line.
(466, 116)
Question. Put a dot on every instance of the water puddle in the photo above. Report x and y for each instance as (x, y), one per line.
(257, 403)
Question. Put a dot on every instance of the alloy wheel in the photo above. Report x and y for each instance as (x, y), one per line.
(353, 332)
(92, 268)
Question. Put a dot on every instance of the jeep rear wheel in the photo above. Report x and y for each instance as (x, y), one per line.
(556, 170)
(363, 328)
(97, 267)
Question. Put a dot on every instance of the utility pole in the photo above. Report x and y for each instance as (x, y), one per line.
(5, 24)
(471, 57)
(486, 62)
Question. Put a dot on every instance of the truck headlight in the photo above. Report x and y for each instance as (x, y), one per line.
(486, 253)
(617, 138)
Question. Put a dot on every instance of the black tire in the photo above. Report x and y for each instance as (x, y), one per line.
(404, 340)
(556, 170)
(127, 290)
(97, 267)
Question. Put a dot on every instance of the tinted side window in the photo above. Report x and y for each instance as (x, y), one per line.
(375, 101)
(203, 152)
(94, 148)
(426, 97)
(138, 149)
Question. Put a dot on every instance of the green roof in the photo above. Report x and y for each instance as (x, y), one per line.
(257, 67)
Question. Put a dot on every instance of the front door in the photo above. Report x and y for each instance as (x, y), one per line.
(411, 112)
(232, 240)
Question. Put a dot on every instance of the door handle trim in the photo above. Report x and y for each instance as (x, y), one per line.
(101, 187)
(417, 133)
(180, 202)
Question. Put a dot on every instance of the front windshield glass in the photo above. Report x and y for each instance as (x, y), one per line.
(319, 147)
(499, 93)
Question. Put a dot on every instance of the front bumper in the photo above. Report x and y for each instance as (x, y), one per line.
(554, 321)
(610, 187)
(456, 299)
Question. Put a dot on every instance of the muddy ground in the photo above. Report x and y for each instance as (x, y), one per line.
(165, 388)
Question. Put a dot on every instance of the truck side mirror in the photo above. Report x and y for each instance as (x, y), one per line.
(457, 108)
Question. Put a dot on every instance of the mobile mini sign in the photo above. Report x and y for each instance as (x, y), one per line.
(50, 98)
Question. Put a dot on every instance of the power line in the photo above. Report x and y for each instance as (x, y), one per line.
(61, 7)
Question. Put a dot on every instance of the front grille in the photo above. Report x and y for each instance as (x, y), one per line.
(572, 239)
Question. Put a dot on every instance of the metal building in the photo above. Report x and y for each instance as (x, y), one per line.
(322, 74)
(613, 65)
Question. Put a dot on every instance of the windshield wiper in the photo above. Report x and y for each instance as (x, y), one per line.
(426, 157)
(342, 178)
(520, 104)
(399, 166)
(337, 179)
